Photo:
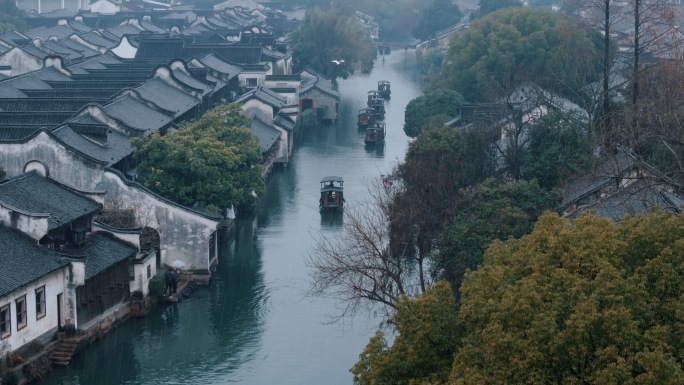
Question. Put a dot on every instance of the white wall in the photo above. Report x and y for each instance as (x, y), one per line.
(54, 284)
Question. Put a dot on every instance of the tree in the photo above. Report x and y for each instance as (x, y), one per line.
(558, 149)
(581, 302)
(442, 102)
(441, 14)
(323, 39)
(428, 336)
(438, 165)
(358, 267)
(488, 211)
(587, 301)
(214, 162)
(11, 18)
(509, 48)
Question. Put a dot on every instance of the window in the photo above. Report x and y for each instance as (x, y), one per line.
(251, 82)
(149, 271)
(5, 321)
(20, 307)
(40, 302)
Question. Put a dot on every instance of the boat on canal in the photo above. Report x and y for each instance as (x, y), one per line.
(366, 117)
(384, 89)
(378, 106)
(372, 94)
(375, 134)
(332, 195)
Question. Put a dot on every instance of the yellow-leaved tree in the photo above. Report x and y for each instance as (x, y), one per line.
(575, 302)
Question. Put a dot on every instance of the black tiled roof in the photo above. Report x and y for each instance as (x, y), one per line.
(117, 146)
(638, 198)
(17, 133)
(76, 46)
(56, 48)
(43, 33)
(98, 40)
(266, 133)
(137, 114)
(219, 64)
(94, 94)
(44, 104)
(104, 251)
(24, 261)
(162, 94)
(33, 118)
(95, 84)
(159, 48)
(33, 193)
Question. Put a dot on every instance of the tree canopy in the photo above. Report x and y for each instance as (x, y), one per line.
(441, 14)
(514, 46)
(214, 162)
(11, 18)
(324, 36)
(587, 301)
(577, 302)
(488, 211)
(439, 102)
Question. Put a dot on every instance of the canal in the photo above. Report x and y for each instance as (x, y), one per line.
(254, 324)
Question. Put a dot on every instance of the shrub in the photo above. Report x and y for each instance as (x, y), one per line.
(156, 286)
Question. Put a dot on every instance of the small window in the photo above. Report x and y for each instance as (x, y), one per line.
(5, 321)
(149, 271)
(252, 82)
(40, 302)
(20, 305)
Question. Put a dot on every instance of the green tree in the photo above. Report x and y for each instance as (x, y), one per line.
(418, 111)
(11, 18)
(488, 211)
(441, 14)
(512, 47)
(324, 37)
(214, 161)
(428, 335)
(558, 149)
(439, 164)
(587, 301)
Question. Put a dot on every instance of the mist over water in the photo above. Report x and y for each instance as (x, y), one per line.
(254, 324)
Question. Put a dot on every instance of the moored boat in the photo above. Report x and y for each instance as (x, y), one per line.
(375, 134)
(366, 116)
(373, 94)
(378, 106)
(384, 89)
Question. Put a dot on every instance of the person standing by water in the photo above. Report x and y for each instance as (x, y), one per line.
(169, 282)
(174, 282)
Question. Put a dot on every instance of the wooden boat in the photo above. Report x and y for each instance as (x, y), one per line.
(332, 196)
(372, 94)
(378, 106)
(375, 134)
(384, 89)
(366, 117)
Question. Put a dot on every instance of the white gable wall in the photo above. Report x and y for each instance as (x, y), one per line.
(256, 108)
(62, 163)
(20, 61)
(185, 236)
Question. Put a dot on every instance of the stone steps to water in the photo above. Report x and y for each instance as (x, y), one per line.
(65, 349)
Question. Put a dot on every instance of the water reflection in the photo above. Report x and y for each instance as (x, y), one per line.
(332, 219)
(375, 150)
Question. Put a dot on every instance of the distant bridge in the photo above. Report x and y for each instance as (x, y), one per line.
(387, 46)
